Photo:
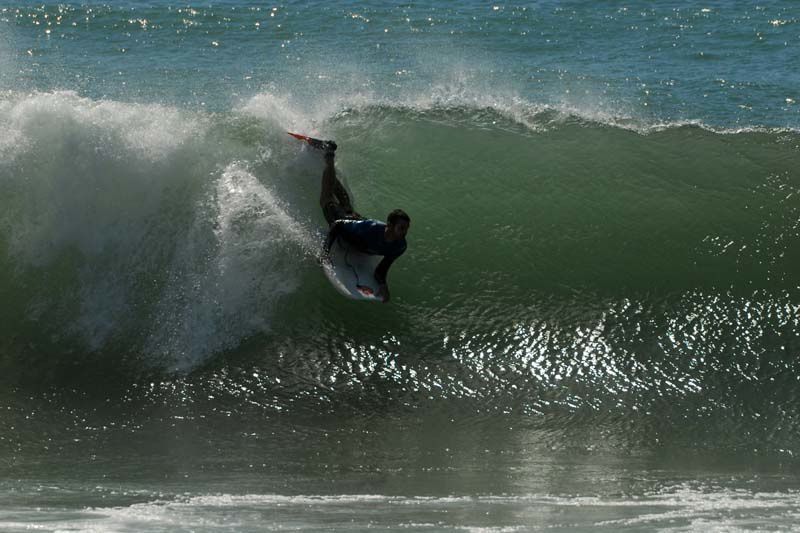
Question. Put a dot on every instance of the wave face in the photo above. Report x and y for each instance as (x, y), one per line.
(570, 263)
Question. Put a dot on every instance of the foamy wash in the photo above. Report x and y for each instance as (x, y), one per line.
(595, 325)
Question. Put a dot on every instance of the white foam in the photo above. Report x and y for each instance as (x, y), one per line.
(681, 508)
(149, 130)
(276, 109)
(87, 174)
(229, 271)
(126, 191)
(88, 178)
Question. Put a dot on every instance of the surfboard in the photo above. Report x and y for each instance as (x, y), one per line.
(351, 272)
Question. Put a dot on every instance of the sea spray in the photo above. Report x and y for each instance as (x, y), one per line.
(120, 205)
(234, 265)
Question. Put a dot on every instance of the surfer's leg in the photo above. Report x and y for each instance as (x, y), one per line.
(329, 181)
(330, 199)
(343, 197)
(333, 199)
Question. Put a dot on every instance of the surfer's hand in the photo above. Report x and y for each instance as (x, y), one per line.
(383, 292)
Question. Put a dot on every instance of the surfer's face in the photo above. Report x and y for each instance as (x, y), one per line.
(397, 231)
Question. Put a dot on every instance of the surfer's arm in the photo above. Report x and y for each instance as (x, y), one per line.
(381, 272)
(332, 234)
(383, 268)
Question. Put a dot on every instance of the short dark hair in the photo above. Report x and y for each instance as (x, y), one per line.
(396, 216)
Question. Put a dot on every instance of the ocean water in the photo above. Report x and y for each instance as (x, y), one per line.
(596, 325)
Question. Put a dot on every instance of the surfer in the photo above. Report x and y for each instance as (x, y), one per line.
(367, 235)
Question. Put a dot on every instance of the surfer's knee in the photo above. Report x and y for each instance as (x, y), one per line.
(331, 210)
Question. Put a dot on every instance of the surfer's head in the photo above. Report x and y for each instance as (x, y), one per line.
(397, 224)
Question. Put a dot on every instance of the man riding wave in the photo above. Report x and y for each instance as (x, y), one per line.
(367, 235)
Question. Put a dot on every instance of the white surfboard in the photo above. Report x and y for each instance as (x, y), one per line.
(351, 272)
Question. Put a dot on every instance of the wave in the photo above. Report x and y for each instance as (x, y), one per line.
(172, 235)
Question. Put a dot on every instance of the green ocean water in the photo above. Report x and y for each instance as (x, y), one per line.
(595, 325)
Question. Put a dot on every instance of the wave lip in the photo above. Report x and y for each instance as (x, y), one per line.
(473, 108)
(151, 131)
